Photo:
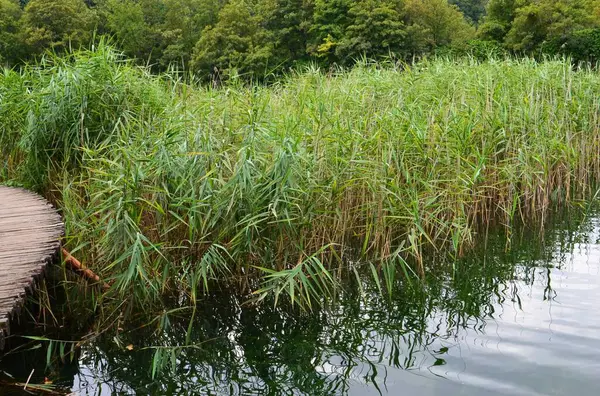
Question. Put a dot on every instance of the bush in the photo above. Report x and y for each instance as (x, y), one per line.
(477, 49)
(581, 46)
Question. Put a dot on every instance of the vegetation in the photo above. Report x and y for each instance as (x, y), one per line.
(548, 26)
(263, 38)
(362, 158)
(284, 191)
(279, 345)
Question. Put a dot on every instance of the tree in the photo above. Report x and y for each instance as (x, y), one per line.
(289, 23)
(474, 10)
(238, 43)
(56, 24)
(375, 29)
(330, 20)
(545, 20)
(10, 13)
(183, 23)
(581, 46)
(435, 23)
(133, 23)
(498, 20)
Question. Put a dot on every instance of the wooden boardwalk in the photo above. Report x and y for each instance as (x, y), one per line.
(30, 232)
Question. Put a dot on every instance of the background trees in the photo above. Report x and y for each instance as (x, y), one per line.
(473, 10)
(10, 13)
(56, 24)
(290, 22)
(544, 21)
(238, 43)
(182, 26)
(375, 28)
(544, 26)
(499, 18)
(436, 23)
(126, 21)
(258, 37)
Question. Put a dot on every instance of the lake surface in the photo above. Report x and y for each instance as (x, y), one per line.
(518, 318)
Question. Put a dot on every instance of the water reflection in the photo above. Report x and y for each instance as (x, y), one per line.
(518, 322)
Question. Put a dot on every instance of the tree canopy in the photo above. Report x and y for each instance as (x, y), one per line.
(238, 42)
(534, 26)
(10, 14)
(258, 37)
(56, 24)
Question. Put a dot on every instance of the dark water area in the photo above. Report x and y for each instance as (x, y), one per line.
(517, 316)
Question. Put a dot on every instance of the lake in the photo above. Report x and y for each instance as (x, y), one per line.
(518, 315)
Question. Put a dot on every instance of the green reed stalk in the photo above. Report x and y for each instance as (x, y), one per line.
(169, 188)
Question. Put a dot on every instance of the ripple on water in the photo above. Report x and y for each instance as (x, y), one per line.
(519, 322)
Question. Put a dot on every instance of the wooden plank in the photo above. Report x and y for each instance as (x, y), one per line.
(30, 233)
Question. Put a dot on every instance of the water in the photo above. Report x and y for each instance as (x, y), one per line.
(522, 321)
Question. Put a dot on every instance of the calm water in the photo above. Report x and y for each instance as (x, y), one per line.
(522, 321)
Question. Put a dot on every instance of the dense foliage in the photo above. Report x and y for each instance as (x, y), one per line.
(569, 27)
(287, 190)
(221, 38)
(218, 39)
(256, 38)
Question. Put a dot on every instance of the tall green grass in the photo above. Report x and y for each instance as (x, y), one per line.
(171, 188)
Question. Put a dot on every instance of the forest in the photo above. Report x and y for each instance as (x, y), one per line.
(218, 39)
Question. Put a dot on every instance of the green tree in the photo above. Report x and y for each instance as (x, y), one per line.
(541, 21)
(376, 28)
(56, 24)
(289, 22)
(474, 10)
(133, 25)
(238, 43)
(183, 23)
(582, 45)
(330, 20)
(498, 20)
(435, 23)
(10, 13)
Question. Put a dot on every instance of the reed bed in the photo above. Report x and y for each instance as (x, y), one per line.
(170, 188)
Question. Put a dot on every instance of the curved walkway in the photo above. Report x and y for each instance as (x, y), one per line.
(30, 232)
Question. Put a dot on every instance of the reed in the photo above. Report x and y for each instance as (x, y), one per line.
(170, 187)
